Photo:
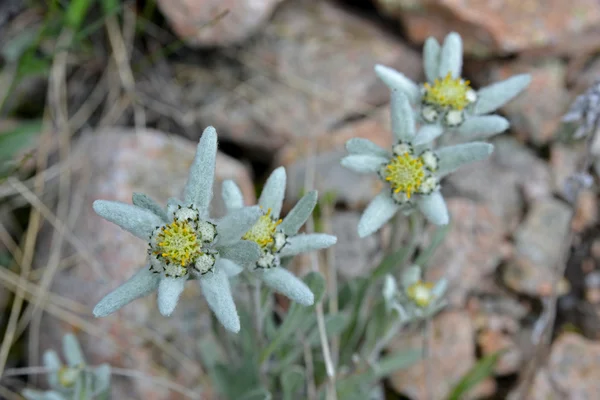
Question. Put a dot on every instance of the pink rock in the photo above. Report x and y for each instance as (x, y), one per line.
(216, 22)
(471, 251)
(572, 370)
(452, 339)
(502, 26)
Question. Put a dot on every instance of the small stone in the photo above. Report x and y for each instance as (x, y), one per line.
(586, 214)
(564, 160)
(595, 249)
(539, 244)
(111, 165)
(501, 27)
(452, 339)
(572, 368)
(216, 22)
(592, 287)
(492, 341)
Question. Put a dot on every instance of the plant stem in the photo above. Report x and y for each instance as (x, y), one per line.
(427, 330)
(258, 317)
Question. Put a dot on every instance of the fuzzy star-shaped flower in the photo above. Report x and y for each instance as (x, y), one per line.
(184, 243)
(446, 102)
(74, 380)
(278, 238)
(416, 299)
(412, 171)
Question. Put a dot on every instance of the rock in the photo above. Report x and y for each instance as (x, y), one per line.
(351, 188)
(564, 161)
(535, 114)
(354, 256)
(592, 287)
(500, 27)
(516, 172)
(492, 341)
(452, 340)
(215, 22)
(471, 251)
(112, 165)
(595, 249)
(539, 245)
(307, 72)
(586, 214)
(572, 371)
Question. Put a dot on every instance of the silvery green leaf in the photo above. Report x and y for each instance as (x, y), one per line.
(292, 381)
(482, 127)
(102, 378)
(232, 227)
(273, 192)
(365, 146)
(286, 283)
(431, 58)
(231, 269)
(144, 201)
(434, 208)
(381, 209)
(294, 220)
(389, 288)
(451, 56)
(72, 351)
(30, 394)
(439, 289)
(454, 157)
(138, 221)
(37, 395)
(403, 119)
(198, 189)
(427, 133)
(243, 253)
(307, 242)
(216, 290)
(411, 275)
(139, 285)
(364, 163)
(494, 96)
(232, 195)
(52, 362)
(169, 290)
(397, 81)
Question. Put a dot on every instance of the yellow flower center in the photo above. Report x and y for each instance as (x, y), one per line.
(67, 376)
(263, 230)
(178, 243)
(420, 293)
(405, 174)
(448, 92)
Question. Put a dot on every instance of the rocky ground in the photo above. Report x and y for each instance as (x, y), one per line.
(272, 73)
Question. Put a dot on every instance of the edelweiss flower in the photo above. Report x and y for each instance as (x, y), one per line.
(412, 170)
(447, 101)
(279, 239)
(74, 380)
(184, 243)
(416, 299)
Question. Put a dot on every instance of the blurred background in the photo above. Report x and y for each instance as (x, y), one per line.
(100, 99)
